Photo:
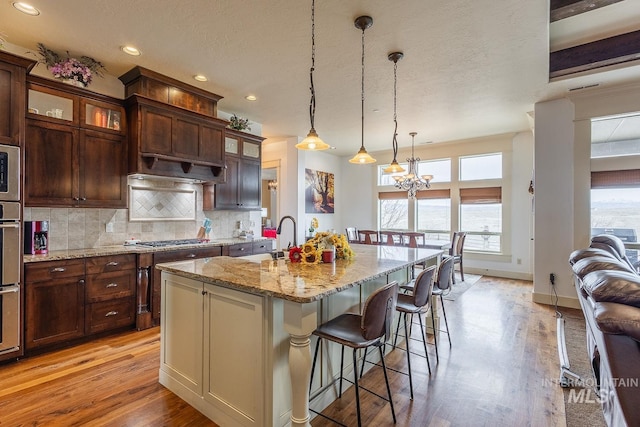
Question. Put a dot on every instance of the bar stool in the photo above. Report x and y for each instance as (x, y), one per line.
(368, 237)
(456, 251)
(419, 302)
(358, 332)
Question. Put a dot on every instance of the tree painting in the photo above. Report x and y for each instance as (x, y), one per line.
(318, 194)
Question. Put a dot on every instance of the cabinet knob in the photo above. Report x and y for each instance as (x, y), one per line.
(111, 313)
(83, 198)
(76, 198)
(81, 281)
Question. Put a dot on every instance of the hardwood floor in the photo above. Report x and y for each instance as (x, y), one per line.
(504, 348)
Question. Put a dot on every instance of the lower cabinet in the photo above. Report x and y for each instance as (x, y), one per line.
(216, 368)
(248, 248)
(71, 299)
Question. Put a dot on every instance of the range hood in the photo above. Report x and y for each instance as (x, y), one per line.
(174, 130)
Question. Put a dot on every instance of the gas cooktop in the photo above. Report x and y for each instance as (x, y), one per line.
(161, 243)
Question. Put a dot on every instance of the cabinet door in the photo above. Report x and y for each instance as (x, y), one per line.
(250, 185)
(155, 131)
(102, 170)
(51, 169)
(186, 138)
(211, 144)
(11, 103)
(54, 311)
(226, 195)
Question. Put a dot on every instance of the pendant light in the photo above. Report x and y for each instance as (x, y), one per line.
(312, 141)
(362, 158)
(394, 167)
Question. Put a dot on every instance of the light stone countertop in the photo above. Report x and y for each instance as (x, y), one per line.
(128, 249)
(299, 282)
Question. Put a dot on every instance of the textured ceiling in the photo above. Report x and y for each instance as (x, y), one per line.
(471, 68)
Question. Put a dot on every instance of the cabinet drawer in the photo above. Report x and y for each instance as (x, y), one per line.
(107, 286)
(262, 246)
(48, 270)
(241, 249)
(106, 264)
(102, 316)
(187, 254)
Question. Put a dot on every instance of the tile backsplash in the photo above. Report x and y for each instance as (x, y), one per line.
(80, 228)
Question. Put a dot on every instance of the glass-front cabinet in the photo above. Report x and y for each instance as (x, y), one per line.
(45, 102)
(101, 115)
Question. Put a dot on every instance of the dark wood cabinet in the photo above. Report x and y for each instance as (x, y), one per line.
(75, 155)
(55, 298)
(13, 70)
(242, 187)
(248, 248)
(71, 299)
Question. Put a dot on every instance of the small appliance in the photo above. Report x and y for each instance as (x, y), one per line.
(36, 237)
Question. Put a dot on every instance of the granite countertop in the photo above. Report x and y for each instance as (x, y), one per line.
(300, 282)
(128, 249)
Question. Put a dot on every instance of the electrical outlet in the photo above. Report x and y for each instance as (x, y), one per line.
(519, 261)
(109, 227)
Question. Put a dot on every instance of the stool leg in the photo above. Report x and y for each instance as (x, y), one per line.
(364, 359)
(444, 312)
(341, 366)
(424, 342)
(435, 334)
(313, 366)
(386, 380)
(406, 332)
(395, 340)
(357, 387)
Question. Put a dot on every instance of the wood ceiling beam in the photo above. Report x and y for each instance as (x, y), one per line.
(610, 51)
(561, 9)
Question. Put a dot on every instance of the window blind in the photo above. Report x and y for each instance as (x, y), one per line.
(616, 179)
(481, 195)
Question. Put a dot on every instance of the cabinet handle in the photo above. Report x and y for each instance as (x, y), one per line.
(81, 281)
(111, 313)
(76, 198)
(112, 264)
(112, 285)
(58, 270)
(241, 249)
(204, 292)
(191, 256)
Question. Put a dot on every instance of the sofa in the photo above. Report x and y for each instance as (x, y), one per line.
(608, 287)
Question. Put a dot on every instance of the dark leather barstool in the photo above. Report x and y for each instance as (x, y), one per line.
(361, 331)
(442, 284)
(456, 251)
(419, 302)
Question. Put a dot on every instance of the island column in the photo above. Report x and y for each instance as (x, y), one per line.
(300, 320)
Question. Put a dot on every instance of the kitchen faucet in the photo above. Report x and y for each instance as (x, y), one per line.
(279, 229)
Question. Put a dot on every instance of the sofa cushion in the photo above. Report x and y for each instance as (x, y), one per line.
(611, 241)
(579, 254)
(613, 286)
(614, 318)
(587, 265)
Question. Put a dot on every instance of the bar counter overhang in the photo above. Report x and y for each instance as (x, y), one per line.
(235, 332)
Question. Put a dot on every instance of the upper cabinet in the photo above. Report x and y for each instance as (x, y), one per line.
(241, 189)
(13, 71)
(174, 130)
(76, 147)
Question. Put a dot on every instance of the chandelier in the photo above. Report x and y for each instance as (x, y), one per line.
(411, 181)
(312, 141)
(362, 157)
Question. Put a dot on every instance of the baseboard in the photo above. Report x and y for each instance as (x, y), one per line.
(499, 273)
(550, 299)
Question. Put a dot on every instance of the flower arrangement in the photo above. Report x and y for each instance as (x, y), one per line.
(311, 251)
(80, 70)
(238, 123)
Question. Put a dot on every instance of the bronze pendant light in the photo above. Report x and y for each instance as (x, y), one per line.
(394, 167)
(362, 157)
(312, 141)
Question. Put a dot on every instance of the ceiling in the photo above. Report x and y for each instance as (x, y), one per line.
(471, 68)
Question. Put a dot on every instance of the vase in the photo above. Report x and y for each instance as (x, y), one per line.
(73, 82)
(329, 255)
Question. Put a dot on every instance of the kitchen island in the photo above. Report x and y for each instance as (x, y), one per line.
(236, 332)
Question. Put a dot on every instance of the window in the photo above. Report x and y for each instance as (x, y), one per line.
(615, 136)
(394, 210)
(615, 206)
(481, 218)
(487, 166)
(434, 213)
(440, 169)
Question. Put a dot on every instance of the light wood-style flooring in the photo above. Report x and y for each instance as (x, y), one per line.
(504, 348)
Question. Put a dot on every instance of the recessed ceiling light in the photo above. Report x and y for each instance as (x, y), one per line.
(26, 8)
(200, 78)
(250, 98)
(130, 50)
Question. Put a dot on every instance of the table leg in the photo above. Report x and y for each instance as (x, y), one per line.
(300, 320)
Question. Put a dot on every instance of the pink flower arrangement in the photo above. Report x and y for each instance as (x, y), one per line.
(79, 70)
